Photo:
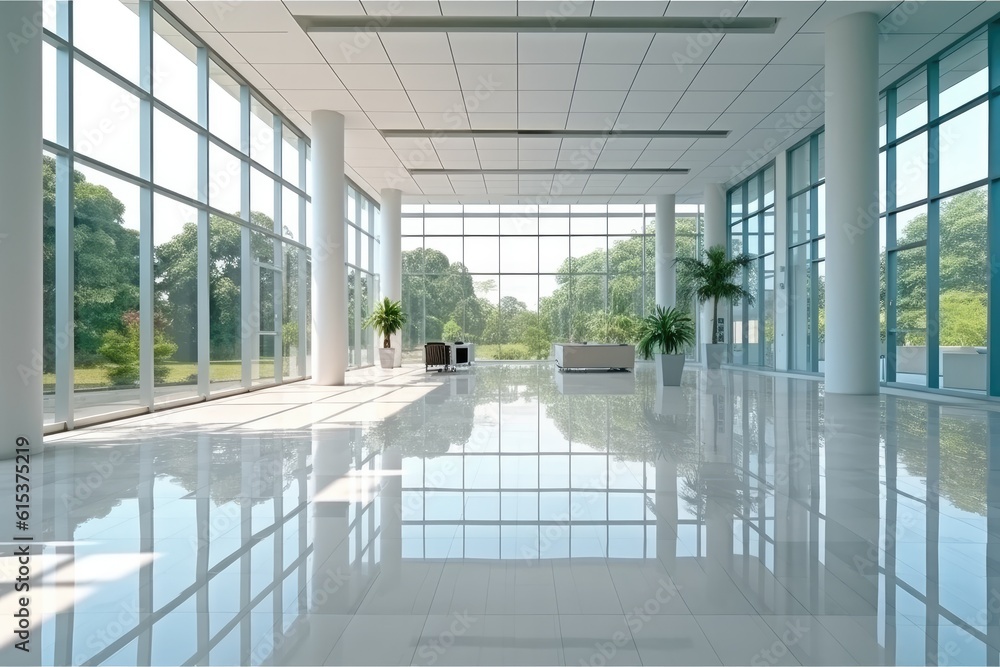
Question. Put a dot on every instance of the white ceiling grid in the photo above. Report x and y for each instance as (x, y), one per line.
(765, 89)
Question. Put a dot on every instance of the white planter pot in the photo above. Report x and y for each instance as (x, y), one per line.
(387, 356)
(669, 369)
(715, 353)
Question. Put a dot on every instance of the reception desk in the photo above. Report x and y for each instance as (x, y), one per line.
(579, 356)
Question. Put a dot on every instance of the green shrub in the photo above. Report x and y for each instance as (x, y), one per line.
(121, 350)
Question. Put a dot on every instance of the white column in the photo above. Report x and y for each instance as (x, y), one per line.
(21, 413)
(666, 251)
(391, 257)
(715, 234)
(852, 243)
(329, 275)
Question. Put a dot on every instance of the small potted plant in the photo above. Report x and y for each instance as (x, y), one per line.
(386, 319)
(713, 279)
(665, 333)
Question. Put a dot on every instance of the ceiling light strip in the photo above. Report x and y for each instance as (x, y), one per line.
(550, 24)
(554, 134)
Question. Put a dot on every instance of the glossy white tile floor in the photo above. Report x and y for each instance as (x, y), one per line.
(512, 515)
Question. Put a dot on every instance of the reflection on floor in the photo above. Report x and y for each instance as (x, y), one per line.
(499, 516)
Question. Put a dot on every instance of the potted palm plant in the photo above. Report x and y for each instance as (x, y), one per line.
(665, 333)
(712, 278)
(386, 319)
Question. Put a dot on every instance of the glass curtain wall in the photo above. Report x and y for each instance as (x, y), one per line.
(362, 287)
(514, 279)
(751, 232)
(175, 211)
(806, 273)
(936, 240)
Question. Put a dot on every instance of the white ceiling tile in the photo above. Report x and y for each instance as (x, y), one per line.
(189, 15)
(543, 101)
(757, 100)
(498, 155)
(807, 99)
(783, 77)
(484, 47)
(539, 143)
(493, 121)
(629, 7)
(350, 48)
(496, 143)
(325, 7)
(681, 50)
(390, 120)
(356, 120)
(454, 143)
(274, 47)
(605, 77)
(497, 101)
(368, 77)
(590, 121)
(724, 77)
(428, 77)
(383, 100)
(554, 8)
(221, 45)
(405, 145)
(640, 121)
(227, 16)
(926, 17)
(479, 7)
(801, 50)
(745, 49)
(546, 77)
(615, 48)
(549, 48)
(310, 100)
(689, 121)
(664, 77)
(407, 8)
(487, 77)
(669, 143)
(449, 120)
(300, 77)
(585, 101)
(739, 122)
(541, 121)
(437, 101)
(716, 101)
(417, 47)
(648, 101)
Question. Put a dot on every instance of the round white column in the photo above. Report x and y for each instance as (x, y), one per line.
(329, 255)
(21, 413)
(666, 251)
(715, 234)
(391, 258)
(852, 233)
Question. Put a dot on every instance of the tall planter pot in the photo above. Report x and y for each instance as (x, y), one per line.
(669, 369)
(715, 354)
(387, 357)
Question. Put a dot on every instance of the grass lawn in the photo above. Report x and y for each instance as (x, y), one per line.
(221, 371)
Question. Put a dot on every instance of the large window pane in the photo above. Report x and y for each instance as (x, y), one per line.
(963, 158)
(225, 322)
(175, 156)
(911, 104)
(519, 254)
(964, 270)
(225, 180)
(290, 157)
(223, 105)
(175, 300)
(105, 119)
(261, 134)
(108, 31)
(106, 296)
(911, 316)
(49, 93)
(911, 170)
(50, 337)
(261, 199)
(589, 254)
(482, 255)
(175, 69)
(963, 75)
(290, 213)
(800, 286)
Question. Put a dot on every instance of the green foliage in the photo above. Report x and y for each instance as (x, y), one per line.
(452, 331)
(290, 334)
(713, 279)
(121, 349)
(387, 319)
(666, 331)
